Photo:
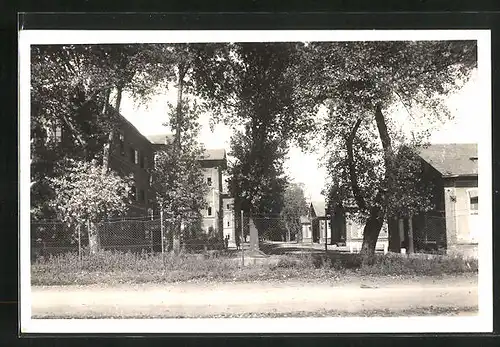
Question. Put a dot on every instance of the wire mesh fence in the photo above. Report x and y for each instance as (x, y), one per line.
(264, 234)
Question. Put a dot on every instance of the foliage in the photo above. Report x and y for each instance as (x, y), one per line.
(84, 193)
(265, 101)
(360, 82)
(113, 267)
(177, 177)
(70, 88)
(295, 206)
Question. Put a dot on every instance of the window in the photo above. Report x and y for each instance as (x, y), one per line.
(228, 206)
(210, 210)
(142, 196)
(209, 181)
(132, 154)
(121, 140)
(136, 157)
(473, 201)
(141, 161)
(58, 134)
(228, 223)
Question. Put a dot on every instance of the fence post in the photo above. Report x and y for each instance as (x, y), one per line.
(241, 241)
(161, 235)
(151, 228)
(79, 243)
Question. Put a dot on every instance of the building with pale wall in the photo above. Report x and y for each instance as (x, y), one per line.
(213, 162)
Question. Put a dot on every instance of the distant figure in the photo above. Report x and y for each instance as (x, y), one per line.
(237, 242)
(226, 241)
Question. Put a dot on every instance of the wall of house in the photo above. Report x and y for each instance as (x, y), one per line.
(228, 219)
(306, 232)
(354, 235)
(462, 224)
(132, 154)
(325, 230)
(212, 176)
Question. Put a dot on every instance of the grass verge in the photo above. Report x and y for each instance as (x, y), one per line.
(113, 267)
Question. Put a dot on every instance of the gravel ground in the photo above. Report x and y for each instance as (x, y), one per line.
(354, 297)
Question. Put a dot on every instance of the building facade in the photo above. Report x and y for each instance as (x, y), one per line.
(213, 162)
(452, 169)
(132, 155)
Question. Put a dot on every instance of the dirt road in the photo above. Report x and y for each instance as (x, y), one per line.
(195, 300)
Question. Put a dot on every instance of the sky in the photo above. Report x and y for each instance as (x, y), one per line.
(305, 167)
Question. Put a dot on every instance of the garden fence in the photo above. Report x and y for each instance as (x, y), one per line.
(153, 234)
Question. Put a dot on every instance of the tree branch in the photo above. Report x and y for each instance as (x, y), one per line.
(358, 196)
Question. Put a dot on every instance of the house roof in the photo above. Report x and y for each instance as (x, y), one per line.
(209, 154)
(160, 139)
(319, 207)
(214, 154)
(454, 159)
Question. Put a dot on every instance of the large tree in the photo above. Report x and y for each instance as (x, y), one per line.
(360, 83)
(178, 177)
(259, 93)
(86, 195)
(295, 206)
(71, 116)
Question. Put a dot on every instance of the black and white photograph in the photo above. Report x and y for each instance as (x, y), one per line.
(328, 181)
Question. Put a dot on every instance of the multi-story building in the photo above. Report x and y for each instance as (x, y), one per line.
(213, 162)
(228, 219)
(132, 154)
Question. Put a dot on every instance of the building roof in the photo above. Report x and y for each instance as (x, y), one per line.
(160, 139)
(319, 207)
(209, 154)
(454, 159)
(214, 154)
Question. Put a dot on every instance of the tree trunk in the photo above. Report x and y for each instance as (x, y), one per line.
(389, 170)
(176, 241)
(107, 147)
(94, 244)
(371, 232)
(393, 234)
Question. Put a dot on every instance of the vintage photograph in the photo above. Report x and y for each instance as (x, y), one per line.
(255, 178)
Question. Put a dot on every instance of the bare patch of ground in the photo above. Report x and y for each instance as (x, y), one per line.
(356, 296)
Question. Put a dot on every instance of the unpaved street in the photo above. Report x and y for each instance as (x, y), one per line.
(196, 300)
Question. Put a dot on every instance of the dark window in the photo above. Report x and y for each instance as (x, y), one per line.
(474, 204)
(210, 210)
(121, 140)
(132, 154)
(228, 206)
(228, 222)
(209, 181)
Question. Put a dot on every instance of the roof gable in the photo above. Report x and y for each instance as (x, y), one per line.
(455, 159)
(319, 208)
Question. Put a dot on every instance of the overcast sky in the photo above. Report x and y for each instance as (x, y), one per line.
(304, 168)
